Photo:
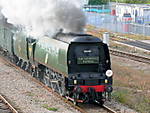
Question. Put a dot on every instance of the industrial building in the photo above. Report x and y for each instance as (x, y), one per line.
(139, 13)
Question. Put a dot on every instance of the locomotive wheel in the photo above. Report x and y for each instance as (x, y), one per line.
(15, 59)
(28, 67)
(35, 72)
(46, 79)
(59, 84)
(55, 80)
(19, 63)
(62, 89)
(54, 87)
(24, 65)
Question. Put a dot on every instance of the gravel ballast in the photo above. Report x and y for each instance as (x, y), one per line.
(27, 95)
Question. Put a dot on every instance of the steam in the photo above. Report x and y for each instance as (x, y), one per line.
(44, 17)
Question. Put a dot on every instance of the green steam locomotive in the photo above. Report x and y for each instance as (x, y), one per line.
(76, 66)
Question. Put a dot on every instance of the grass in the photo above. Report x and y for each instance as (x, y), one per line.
(50, 108)
(125, 76)
(28, 93)
(136, 101)
(131, 87)
(121, 96)
(143, 105)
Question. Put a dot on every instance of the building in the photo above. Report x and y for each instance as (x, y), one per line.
(139, 13)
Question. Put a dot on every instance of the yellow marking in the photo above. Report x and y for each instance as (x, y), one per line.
(30, 51)
(46, 58)
(19, 48)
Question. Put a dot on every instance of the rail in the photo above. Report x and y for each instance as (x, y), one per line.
(8, 104)
(131, 56)
(109, 109)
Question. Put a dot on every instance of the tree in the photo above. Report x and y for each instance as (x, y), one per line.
(133, 1)
(97, 2)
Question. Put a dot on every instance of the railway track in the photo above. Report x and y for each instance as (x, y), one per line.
(82, 108)
(109, 109)
(105, 109)
(93, 108)
(126, 54)
(5, 106)
(130, 56)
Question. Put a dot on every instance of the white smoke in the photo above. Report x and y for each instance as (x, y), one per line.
(43, 17)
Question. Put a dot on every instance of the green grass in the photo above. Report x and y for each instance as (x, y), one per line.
(30, 94)
(139, 102)
(121, 96)
(143, 104)
(50, 108)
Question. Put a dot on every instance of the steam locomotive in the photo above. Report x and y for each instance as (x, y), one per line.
(76, 66)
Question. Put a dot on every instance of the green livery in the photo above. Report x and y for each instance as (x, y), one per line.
(52, 53)
(20, 46)
(6, 36)
(46, 51)
(74, 65)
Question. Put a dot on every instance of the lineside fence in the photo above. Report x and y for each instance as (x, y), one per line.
(100, 16)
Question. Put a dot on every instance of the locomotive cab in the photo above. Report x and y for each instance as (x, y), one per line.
(88, 63)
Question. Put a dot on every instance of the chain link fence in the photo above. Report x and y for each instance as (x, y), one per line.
(105, 20)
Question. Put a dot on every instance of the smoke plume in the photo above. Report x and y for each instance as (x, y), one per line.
(44, 17)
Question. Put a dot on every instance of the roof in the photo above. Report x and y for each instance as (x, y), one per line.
(72, 37)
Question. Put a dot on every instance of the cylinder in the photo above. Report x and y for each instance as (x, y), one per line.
(106, 38)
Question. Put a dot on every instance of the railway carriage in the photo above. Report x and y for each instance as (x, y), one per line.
(75, 65)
